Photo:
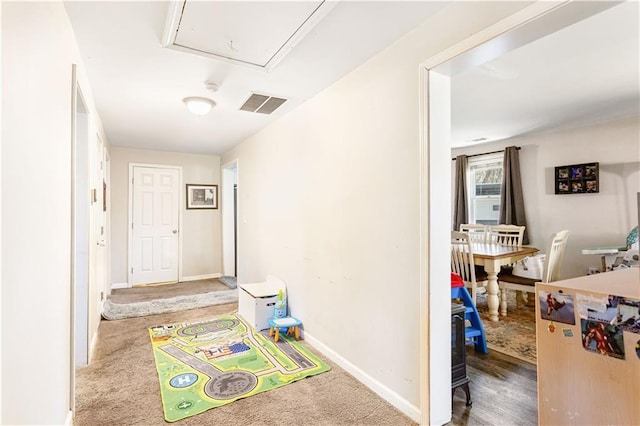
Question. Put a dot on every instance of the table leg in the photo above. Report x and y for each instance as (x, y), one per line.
(493, 301)
(503, 302)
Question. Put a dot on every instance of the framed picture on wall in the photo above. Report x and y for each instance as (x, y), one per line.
(577, 179)
(202, 196)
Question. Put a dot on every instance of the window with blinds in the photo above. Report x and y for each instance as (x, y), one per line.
(485, 183)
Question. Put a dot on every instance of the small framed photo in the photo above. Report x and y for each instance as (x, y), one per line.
(563, 186)
(576, 186)
(563, 173)
(592, 185)
(202, 196)
(576, 172)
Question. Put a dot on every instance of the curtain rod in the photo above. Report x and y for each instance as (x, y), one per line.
(487, 153)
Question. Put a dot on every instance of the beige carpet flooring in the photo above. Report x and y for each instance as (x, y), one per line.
(120, 387)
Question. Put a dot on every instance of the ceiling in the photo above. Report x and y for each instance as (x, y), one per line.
(584, 73)
(290, 50)
(293, 50)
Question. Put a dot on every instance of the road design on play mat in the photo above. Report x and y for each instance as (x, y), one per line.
(225, 385)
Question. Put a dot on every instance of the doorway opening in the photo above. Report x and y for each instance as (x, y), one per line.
(525, 26)
(80, 234)
(81, 192)
(230, 219)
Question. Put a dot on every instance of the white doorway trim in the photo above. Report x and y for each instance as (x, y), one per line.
(181, 196)
(229, 218)
(531, 23)
(80, 232)
(107, 225)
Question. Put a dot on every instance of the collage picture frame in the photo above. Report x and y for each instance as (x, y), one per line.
(577, 178)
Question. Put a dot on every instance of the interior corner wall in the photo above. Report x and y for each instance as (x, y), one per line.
(36, 209)
(594, 220)
(201, 229)
(329, 202)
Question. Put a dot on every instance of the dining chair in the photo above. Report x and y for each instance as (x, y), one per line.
(550, 271)
(477, 232)
(508, 235)
(462, 262)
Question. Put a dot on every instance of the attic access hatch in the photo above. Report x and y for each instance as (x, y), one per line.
(253, 34)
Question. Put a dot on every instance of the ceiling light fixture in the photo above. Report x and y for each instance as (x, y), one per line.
(199, 106)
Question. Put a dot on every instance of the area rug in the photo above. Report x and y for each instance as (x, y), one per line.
(115, 311)
(515, 334)
(211, 363)
(231, 282)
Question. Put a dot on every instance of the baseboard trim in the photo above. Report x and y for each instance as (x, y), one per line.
(94, 342)
(115, 286)
(383, 391)
(69, 420)
(201, 277)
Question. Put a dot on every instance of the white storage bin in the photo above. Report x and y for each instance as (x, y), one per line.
(257, 301)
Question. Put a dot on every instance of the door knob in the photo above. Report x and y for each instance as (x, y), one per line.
(175, 231)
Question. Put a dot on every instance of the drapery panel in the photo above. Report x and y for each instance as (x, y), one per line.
(511, 196)
(460, 208)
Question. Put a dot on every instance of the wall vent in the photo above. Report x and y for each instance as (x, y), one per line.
(262, 104)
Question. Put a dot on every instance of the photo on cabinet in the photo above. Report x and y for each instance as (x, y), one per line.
(629, 315)
(557, 307)
(602, 338)
(609, 314)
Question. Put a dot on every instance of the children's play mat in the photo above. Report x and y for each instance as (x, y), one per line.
(215, 362)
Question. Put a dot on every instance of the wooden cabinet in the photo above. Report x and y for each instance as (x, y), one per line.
(594, 386)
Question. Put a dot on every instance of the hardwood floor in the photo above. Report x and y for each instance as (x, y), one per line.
(503, 390)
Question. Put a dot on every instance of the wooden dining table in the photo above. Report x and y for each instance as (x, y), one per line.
(492, 257)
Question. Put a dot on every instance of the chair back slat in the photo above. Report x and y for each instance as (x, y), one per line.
(507, 235)
(477, 233)
(462, 262)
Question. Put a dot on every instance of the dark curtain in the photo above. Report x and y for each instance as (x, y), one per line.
(511, 197)
(460, 209)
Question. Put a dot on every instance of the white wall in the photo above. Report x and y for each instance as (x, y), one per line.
(38, 49)
(329, 202)
(1, 240)
(201, 232)
(595, 220)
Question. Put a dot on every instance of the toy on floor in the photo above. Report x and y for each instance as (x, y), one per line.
(280, 310)
(290, 324)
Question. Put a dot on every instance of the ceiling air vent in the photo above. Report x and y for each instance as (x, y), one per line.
(262, 104)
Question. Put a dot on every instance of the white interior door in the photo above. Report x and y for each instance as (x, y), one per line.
(155, 219)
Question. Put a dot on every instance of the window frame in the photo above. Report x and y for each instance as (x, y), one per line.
(473, 164)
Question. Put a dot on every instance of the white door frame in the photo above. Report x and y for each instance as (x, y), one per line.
(229, 243)
(181, 195)
(107, 224)
(80, 232)
(531, 23)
